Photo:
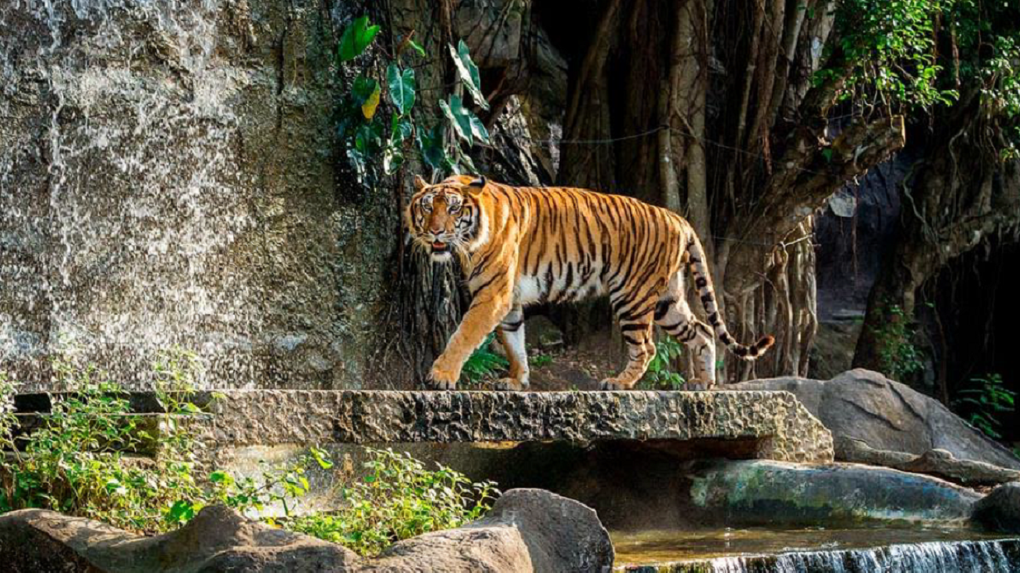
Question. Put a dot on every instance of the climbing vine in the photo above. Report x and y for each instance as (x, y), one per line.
(375, 143)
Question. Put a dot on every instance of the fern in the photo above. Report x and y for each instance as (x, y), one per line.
(483, 363)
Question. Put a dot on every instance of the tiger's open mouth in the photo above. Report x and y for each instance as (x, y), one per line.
(439, 247)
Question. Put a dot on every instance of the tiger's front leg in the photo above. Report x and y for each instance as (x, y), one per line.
(488, 308)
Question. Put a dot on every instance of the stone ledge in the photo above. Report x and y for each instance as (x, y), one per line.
(779, 425)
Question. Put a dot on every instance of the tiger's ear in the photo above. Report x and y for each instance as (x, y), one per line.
(419, 183)
(479, 183)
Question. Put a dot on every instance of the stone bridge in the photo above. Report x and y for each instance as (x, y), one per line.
(766, 425)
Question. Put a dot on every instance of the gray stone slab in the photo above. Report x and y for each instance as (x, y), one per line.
(781, 427)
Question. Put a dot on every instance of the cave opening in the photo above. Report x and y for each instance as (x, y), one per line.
(977, 310)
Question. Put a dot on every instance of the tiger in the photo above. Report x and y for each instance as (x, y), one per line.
(519, 246)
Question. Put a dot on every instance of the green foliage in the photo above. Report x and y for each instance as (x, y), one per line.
(401, 84)
(398, 498)
(900, 54)
(79, 461)
(540, 360)
(75, 463)
(660, 374)
(376, 146)
(898, 354)
(468, 73)
(356, 38)
(8, 421)
(888, 52)
(983, 401)
(483, 363)
(467, 126)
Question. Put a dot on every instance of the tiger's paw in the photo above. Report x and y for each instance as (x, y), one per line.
(697, 385)
(612, 385)
(509, 385)
(437, 381)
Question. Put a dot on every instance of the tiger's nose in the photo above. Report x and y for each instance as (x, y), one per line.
(436, 229)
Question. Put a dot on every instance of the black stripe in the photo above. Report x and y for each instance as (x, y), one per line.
(674, 326)
(511, 326)
(481, 265)
(487, 283)
(662, 308)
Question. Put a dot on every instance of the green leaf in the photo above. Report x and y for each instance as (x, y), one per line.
(400, 128)
(355, 38)
(430, 143)
(180, 512)
(468, 72)
(417, 47)
(465, 123)
(363, 89)
(457, 115)
(401, 84)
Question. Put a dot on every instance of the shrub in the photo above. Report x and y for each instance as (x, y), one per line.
(78, 462)
(899, 356)
(398, 498)
(985, 400)
(660, 374)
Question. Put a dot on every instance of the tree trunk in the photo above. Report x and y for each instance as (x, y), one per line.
(963, 194)
(429, 294)
(711, 113)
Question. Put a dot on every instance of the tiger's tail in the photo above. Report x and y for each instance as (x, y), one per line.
(706, 292)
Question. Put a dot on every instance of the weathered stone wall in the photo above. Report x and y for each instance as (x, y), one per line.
(167, 177)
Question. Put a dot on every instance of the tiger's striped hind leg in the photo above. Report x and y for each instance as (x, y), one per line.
(637, 333)
(511, 335)
(674, 316)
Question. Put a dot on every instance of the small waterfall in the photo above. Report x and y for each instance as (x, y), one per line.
(996, 556)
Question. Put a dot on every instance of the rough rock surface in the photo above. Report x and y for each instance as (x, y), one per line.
(168, 176)
(781, 427)
(1000, 510)
(939, 463)
(885, 415)
(527, 530)
(766, 492)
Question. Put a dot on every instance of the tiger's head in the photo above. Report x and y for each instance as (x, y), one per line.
(447, 217)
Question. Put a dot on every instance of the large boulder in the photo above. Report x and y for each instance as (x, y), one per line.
(759, 492)
(526, 530)
(1000, 510)
(864, 406)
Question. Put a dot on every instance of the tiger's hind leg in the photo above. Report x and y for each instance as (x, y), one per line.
(511, 335)
(674, 316)
(637, 333)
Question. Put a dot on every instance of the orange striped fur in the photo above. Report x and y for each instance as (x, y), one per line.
(521, 245)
